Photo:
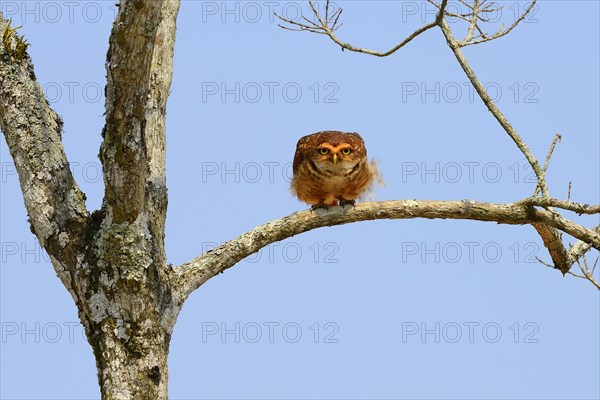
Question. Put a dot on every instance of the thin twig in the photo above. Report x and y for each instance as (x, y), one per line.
(323, 27)
(333, 26)
(565, 205)
(501, 33)
(576, 275)
(464, 17)
(587, 275)
(544, 263)
(473, 22)
(580, 248)
(556, 140)
(475, 14)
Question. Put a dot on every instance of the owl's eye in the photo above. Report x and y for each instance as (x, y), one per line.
(323, 151)
(346, 151)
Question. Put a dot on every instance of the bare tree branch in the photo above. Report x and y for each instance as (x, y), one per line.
(127, 247)
(473, 22)
(580, 248)
(191, 275)
(462, 16)
(551, 238)
(502, 32)
(474, 17)
(565, 205)
(587, 273)
(556, 139)
(54, 202)
(324, 27)
(489, 103)
(139, 70)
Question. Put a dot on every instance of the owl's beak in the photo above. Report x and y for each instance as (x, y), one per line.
(334, 158)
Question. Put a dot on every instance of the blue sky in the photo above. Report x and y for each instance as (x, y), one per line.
(382, 309)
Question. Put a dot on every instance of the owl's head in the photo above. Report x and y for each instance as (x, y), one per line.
(332, 150)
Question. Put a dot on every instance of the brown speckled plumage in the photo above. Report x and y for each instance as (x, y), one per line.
(332, 168)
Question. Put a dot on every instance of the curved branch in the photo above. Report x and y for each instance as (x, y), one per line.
(348, 46)
(191, 275)
(54, 202)
(324, 26)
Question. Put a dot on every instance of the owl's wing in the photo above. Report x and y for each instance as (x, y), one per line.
(299, 155)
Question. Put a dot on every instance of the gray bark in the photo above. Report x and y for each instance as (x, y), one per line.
(129, 306)
(112, 261)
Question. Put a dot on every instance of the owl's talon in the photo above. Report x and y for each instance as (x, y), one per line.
(343, 203)
(317, 206)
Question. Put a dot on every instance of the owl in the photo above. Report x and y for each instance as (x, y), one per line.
(331, 168)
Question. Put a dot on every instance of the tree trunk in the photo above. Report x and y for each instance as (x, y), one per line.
(131, 364)
(129, 327)
(127, 306)
(112, 261)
